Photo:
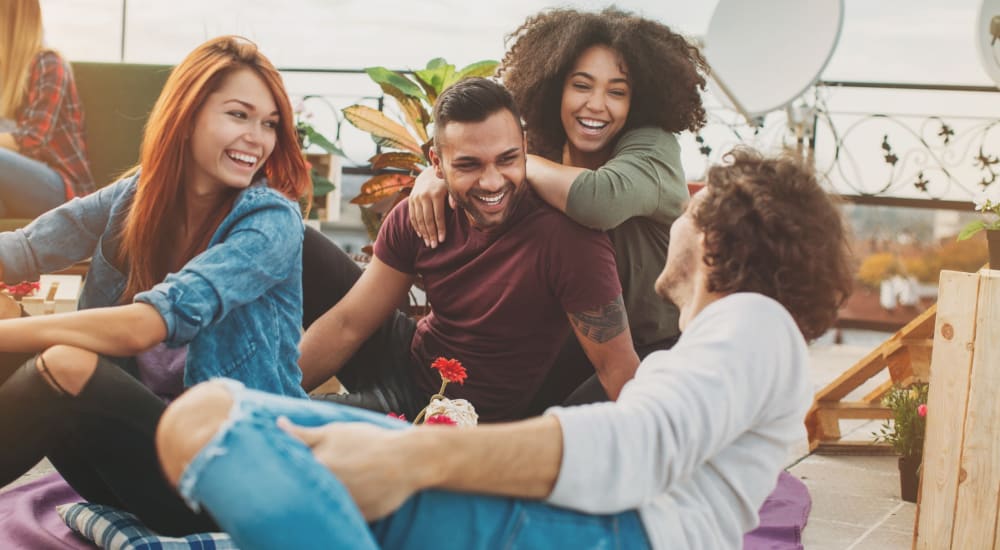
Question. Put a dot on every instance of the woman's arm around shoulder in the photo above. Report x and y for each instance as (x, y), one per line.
(644, 177)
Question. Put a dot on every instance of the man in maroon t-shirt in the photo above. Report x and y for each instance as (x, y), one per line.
(505, 288)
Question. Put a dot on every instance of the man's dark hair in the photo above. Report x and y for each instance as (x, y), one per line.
(472, 100)
(770, 228)
(665, 71)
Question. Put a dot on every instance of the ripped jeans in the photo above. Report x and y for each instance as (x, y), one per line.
(265, 488)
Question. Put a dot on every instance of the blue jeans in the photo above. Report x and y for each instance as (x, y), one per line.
(266, 489)
(27, 187)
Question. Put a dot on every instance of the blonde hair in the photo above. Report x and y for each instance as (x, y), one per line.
(20, 42)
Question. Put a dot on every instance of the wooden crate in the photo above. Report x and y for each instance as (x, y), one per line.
(56, 294)
(959, 504)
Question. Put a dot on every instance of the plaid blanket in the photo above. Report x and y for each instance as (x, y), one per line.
(112, 529)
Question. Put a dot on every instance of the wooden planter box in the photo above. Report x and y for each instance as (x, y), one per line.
(959, 504)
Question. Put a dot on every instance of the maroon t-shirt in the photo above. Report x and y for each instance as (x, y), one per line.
(499, 300)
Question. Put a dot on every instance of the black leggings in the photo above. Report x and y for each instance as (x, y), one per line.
(101, 441)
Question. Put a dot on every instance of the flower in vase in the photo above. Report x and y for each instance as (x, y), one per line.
(451, 370)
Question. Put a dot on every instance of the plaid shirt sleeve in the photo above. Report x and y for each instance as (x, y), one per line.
(47, 91)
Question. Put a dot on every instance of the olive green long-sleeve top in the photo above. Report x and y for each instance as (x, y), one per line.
(635, 197)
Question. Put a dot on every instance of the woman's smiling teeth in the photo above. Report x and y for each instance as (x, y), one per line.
(493, 199)
(243, 158)
(592, 124)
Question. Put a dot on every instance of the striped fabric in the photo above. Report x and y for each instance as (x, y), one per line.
(112, 529)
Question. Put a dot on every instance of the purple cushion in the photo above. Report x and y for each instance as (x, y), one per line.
(782, 517)
(29, 519)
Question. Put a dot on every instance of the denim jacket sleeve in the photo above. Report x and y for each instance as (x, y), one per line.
(62, 236)
(252, 251)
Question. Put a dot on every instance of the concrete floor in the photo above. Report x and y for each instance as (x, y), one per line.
(856, 503)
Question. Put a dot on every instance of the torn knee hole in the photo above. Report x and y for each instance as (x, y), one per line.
(66, 375)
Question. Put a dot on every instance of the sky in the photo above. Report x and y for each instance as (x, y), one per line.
(916, 41)
(884, 40)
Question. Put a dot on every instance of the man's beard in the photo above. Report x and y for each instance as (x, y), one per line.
(514, 196)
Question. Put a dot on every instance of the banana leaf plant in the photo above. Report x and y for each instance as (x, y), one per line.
(405, 144)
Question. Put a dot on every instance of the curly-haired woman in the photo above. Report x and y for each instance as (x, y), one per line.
(43, 159)
(602, 95)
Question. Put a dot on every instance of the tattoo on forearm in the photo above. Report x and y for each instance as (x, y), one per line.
(603, 323)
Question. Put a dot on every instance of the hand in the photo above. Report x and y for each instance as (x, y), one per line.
(427, 207)
(9, 308)
(366, 459)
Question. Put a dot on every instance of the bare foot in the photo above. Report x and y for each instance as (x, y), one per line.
(9, 308)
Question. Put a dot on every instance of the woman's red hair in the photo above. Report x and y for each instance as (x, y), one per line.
(158, 208)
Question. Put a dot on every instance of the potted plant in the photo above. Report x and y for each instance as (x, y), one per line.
(988, 202)
(322, 166)
(406, 144)
(905, 433)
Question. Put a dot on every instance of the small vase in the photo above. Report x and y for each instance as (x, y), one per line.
(909, 477)
(993, 244)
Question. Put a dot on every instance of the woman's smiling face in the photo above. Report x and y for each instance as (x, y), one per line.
(234, 134)
(595, 103)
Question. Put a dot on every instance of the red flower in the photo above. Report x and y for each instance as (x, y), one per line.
(440, 419)
(450, 369)
(21, 289)
(399, 416)
(922, 409)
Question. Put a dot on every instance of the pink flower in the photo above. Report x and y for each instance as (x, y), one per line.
(440, 419)
(399, 416)
(922, 409)
(450, 370)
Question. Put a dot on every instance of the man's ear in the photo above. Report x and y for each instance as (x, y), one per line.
(436, 162)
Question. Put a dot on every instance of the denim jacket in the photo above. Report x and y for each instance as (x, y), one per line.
(237, 305)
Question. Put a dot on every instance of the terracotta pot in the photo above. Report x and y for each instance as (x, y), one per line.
(993, 243)
(909, 477)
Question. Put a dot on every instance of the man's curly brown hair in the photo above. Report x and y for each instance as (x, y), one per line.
(770, 228)
(665, 71)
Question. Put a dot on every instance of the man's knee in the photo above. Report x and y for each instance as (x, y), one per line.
(188, 424)
(67, 368)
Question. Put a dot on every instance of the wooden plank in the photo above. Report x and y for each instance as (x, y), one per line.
(979, 478)
(951, 363)
(854, 409)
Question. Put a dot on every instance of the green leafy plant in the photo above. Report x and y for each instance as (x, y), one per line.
(905, 433)
(407, 143)
(988, 202)
(310, 137)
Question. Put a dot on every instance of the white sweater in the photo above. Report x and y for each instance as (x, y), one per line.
(697, 439)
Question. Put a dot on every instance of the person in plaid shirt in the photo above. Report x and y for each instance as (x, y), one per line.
(43, 158)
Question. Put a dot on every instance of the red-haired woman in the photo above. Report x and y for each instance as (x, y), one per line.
(602, 95)
(43, 159)
(196, 273)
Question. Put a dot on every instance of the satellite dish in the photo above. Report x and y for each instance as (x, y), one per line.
(988, 38)
(765, 54)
